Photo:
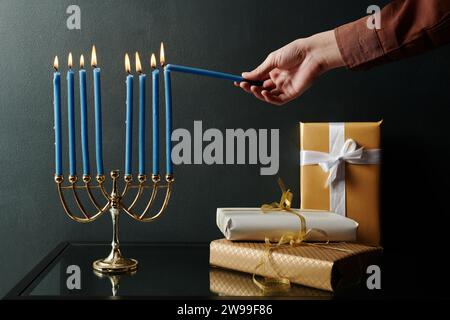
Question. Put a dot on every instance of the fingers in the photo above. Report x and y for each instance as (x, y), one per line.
(269, 84)
(278, 100)
(244, 86)
(262, 71)
(269, 94)
(274, 92)
(257, 92)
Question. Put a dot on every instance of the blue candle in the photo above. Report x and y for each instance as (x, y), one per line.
(57, 117)
(83, 116)
(168, 98)
(208, 73)
(98, 114)
(71, 118)
(142, 81)
(155, 113)
(129, 117)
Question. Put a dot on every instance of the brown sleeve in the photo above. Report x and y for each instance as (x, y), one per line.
(408, 27)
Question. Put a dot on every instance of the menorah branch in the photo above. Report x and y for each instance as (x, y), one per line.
(156, 186)
(142, 179)
(91, 196)
(86, 219)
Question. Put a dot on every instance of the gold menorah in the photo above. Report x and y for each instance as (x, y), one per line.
(114, 262)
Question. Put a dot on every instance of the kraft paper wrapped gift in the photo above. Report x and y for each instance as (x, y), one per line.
(251, 224)
(326, 267)
(238, 284)
(340, 172)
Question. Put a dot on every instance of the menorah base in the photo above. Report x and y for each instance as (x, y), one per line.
(115, 262)
(122, 265)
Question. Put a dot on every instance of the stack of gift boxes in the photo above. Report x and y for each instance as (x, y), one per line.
(328, 243)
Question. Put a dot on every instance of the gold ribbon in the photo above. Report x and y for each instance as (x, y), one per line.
(281, 283)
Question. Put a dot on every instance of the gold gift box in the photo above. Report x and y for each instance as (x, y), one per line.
(361, 181)
(325, 266)
(238, 284)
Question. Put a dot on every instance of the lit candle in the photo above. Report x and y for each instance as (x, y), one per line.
(155, 111)
(212, 74)
(129, 117)
(168, 98)
(142, 81)
(57, 117)
(71, 117)
(83, 116)
(98, 113)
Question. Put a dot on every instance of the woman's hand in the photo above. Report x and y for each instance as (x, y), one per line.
(288, 72)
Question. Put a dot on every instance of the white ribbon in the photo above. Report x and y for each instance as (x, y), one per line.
(333, 163)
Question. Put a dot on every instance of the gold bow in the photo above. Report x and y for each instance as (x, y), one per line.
(285, 205)
(281, 283)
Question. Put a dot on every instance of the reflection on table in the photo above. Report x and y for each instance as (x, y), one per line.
(237, 284)
(164, 270)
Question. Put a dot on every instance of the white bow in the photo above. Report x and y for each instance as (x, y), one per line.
(348, 153)
(341, 151)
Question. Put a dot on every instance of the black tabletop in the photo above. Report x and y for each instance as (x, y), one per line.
(164, 271)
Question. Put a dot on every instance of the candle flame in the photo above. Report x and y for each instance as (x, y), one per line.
(153, 61)
(55, 63)
(94, 57)
(82, 62)
(138, 63)
(162, 56)
(127, 63)
(69, 60)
